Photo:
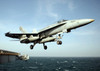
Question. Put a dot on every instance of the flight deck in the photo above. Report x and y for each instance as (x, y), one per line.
(9, 56)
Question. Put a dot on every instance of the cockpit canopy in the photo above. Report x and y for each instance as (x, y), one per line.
(62, 21)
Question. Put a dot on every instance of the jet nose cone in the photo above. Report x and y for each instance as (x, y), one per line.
(86, 21)
(92, 20)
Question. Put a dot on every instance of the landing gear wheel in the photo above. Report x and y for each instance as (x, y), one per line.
(45, 47)
(59, 42)
(31, 46)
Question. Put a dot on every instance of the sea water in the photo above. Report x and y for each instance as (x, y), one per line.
(54, 64)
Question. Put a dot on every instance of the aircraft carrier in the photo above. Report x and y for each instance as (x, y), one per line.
(9, 56)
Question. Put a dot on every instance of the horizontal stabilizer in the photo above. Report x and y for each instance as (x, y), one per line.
(18, 35)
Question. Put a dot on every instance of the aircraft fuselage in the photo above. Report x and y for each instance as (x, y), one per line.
(69, 25)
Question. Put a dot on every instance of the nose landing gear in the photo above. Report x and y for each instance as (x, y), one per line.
(59, 42)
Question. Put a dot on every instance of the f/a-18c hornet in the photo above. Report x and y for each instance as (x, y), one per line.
(49, 34)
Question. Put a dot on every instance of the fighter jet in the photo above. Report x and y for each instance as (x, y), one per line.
(49, 34)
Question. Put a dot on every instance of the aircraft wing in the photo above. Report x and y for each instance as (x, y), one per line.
(18, 35)
(51, 27)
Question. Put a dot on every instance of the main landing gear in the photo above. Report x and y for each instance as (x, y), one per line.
(45, 47)
(32, 46)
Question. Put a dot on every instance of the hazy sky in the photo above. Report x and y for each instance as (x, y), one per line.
(37, 14)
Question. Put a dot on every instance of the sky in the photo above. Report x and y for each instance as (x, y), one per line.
(37, 14)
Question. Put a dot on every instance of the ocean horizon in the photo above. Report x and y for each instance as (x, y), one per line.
(54, 64)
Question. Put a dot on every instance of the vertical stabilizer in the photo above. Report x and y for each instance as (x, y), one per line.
(34, 31)
(22, 30)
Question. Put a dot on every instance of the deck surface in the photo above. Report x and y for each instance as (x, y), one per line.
(5, 52)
